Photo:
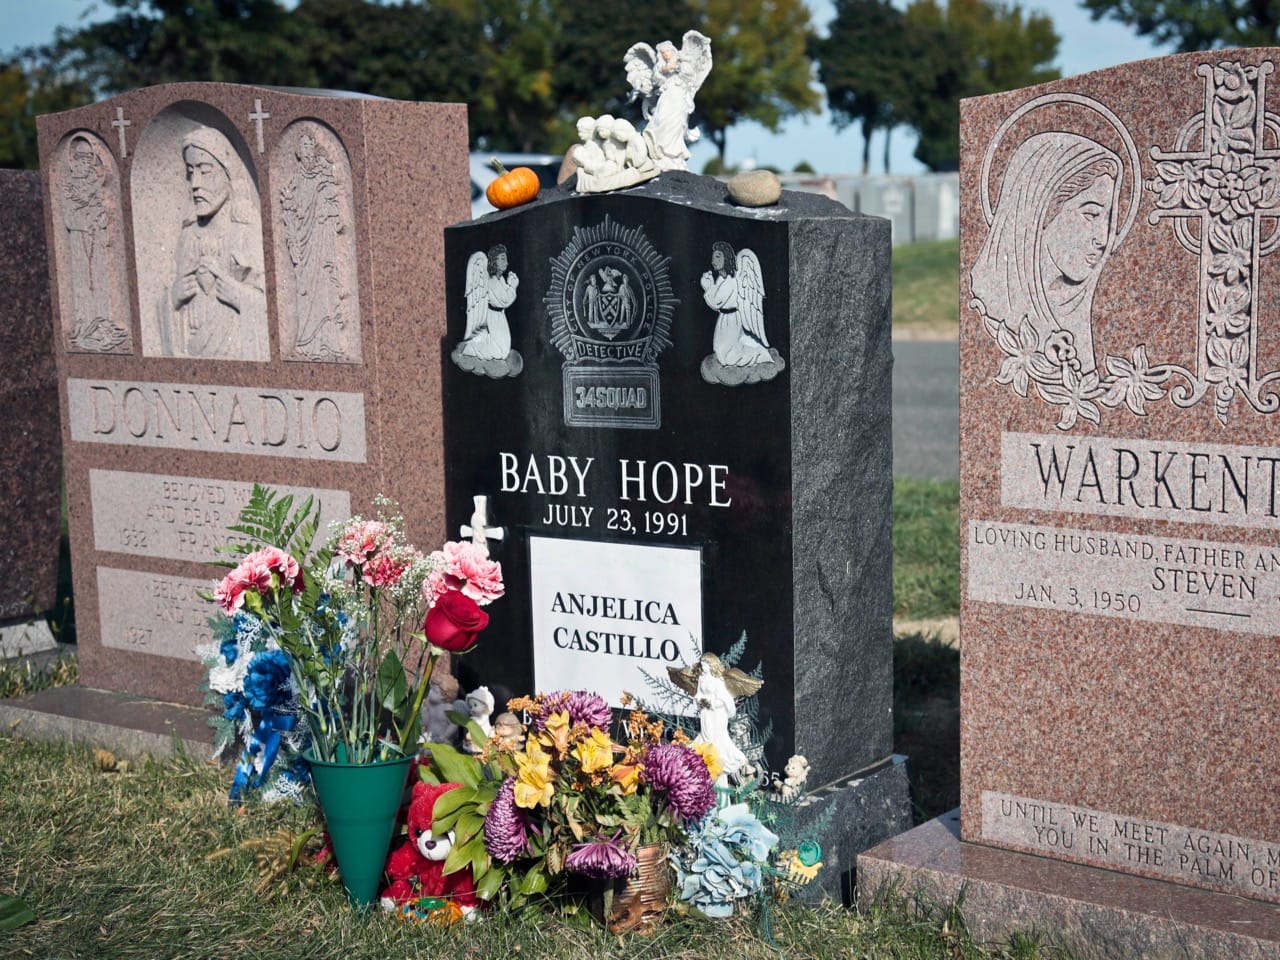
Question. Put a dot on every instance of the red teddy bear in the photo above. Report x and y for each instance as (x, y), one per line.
(416, 867)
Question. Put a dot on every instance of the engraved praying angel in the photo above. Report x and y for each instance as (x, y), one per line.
(734, 288)
(491, 287)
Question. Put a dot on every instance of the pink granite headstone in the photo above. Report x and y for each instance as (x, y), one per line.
(1120, 497)
(248, 288)
(29, 482)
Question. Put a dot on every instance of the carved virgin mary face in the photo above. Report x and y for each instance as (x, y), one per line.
(1076, 240)
(210, 183)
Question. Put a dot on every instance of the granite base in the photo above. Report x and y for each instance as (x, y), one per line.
(1096, 914)
(128, 726)
(867, 807)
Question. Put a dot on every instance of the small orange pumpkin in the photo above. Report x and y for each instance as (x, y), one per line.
(513, 187)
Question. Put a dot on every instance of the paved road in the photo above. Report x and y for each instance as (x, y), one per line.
(926, 409)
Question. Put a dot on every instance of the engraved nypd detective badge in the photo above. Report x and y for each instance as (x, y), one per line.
(611, 305)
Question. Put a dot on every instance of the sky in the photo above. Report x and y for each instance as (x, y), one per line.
(1085, 46)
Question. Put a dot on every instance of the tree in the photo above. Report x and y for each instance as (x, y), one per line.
(863, 64)
(762, 68)
(166, 41)
(589, 49)
(1195, 24)
(969, 48)
(27, 90)
(526, 68)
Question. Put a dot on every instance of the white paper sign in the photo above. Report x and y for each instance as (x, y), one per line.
(605, 614)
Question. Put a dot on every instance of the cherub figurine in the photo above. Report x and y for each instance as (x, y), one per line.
(797, 771)
(612, 155)
(667, 79)
(715, 688)
(479, 707)
(506, 727)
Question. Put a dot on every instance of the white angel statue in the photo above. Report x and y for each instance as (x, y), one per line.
(667, 79)
(491, 289)
(714, 688)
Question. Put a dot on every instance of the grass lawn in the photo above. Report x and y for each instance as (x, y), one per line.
(925, 288)
(150, 863)
(926, 548)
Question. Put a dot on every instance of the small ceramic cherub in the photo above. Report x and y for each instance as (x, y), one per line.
(479, 707)
(797, 772)
(507, 728)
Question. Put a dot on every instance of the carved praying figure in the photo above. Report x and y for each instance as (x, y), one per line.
(490, 289)
(88, 224)
(312, 210)
(734, 288)
(667, 80)
(216, 307)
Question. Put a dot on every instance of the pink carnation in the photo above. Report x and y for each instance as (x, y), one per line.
(360, 541)
(389, 566)
(251, 574)
(277, 561)
(463, 566)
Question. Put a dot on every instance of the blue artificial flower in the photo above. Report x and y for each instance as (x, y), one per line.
(233, 702)
(743, 830)
(724, 858)
(266, 685)
(229, 650)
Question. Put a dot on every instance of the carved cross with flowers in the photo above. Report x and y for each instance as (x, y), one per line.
(1218, 185)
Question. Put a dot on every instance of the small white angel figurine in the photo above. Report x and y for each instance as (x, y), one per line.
(668, 79)
(715, 688)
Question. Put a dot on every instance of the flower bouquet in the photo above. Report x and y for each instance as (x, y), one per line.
(570, 801)
(353, 637)
(348, 652)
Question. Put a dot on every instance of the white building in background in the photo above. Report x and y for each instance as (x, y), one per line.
(921, 207)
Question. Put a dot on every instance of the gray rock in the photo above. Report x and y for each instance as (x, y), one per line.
(756, 188)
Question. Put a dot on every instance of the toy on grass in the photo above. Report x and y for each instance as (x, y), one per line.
(416, 868)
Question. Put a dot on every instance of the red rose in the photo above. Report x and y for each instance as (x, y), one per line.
(452, 624)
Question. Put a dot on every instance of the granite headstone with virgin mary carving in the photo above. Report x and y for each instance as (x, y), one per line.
(1120, 396)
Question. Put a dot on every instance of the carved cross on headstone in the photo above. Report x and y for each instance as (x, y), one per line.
(1222, 176)
(478, 530)
(120, 123)
(257, 116)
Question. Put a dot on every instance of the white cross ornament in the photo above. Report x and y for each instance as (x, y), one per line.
(478, 530)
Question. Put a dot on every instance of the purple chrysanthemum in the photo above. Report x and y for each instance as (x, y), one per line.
(583, 707)
(506, 830)
(601, 859)
(682, 776)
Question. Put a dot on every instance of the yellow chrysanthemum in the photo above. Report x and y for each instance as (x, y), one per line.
(556, 734)
(709, 756)
(626, 776)
(533, 779)
(596, 752)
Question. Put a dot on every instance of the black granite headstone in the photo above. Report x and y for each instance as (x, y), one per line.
(679, 412)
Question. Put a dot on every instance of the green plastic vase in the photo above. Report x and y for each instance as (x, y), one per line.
(360, 802)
